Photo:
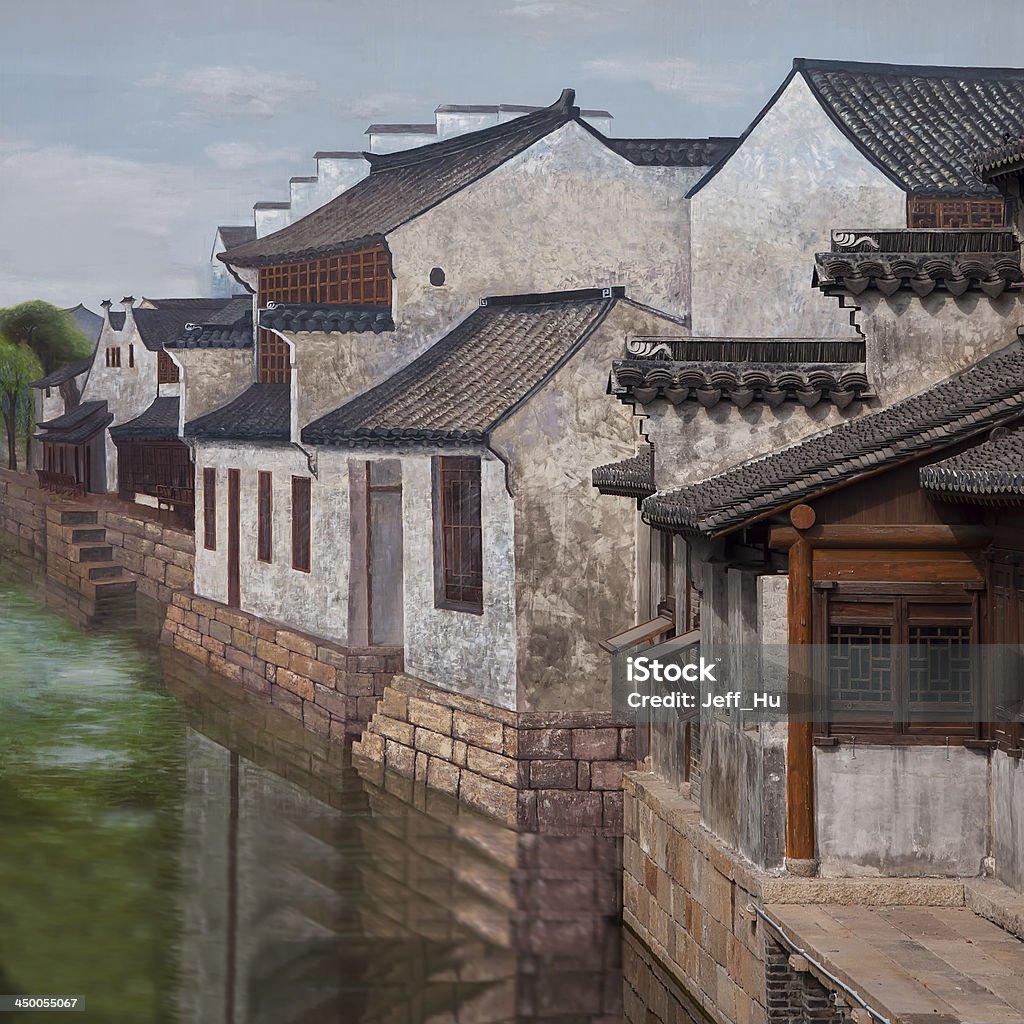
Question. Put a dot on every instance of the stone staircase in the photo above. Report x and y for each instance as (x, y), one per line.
(78, 555)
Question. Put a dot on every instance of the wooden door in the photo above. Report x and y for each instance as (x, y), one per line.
(234, 586)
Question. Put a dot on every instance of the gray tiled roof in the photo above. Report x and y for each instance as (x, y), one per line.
(1001, 161)
(78, 425)
(460, 388)
(62, 374)
(630, 478)
(231, 327)
(236, 234)
(260, 413)
(158, 423)
(88, 322)
(708, 383)
(990, 472)
(922, 125)
(672, 152)
(117, 319)
(167, 322)
(327, 318)
(401, 186)
(921, 260)
(987, 394)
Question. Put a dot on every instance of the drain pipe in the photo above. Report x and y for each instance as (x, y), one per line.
(794, 948)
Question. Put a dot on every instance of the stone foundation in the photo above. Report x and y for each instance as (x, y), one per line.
(23, 514)
(553, 772)
(333, 690)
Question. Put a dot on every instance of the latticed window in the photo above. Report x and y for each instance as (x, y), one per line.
(900, 665)
(166, 369)
(956, 213)
(360, 278)
(210, 509)
(113, 355)
(458, 534)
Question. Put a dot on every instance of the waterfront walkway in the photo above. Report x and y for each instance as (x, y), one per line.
(944, 965)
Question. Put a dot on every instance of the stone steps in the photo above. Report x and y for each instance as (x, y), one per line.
(88, 536)
(82, 557)
(91, 552)
(103, 570)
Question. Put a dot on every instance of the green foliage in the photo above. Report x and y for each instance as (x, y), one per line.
(48, 331)
(19, 366)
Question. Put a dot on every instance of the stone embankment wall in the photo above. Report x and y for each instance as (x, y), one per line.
(558, 772)
(332, 690)
(157, 555)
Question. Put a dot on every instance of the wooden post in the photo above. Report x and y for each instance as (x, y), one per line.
(800, 825)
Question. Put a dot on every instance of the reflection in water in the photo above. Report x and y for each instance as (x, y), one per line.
(174, 851)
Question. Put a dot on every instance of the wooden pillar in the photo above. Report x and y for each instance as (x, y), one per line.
(800, 824)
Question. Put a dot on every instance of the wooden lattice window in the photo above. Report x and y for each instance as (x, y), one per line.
(264, 517)
(210, 509)
(167, 371)
(274, 358)
(301, 516)
(113, 355)
(458, 534)
(899, 665)
(131, 357)
(362, 278)
(956, 213)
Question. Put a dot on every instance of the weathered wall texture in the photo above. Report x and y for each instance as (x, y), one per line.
(693, 443)
(212, 377)
(575, 550)
(316, 601)
(475, 654)
(901, 810)
(23, 514)
(560, 774)
(915, 342)
(756, 225)
(744, 800)
(1008, 819)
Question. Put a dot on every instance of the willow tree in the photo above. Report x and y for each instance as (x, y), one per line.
(19, 366)
(48, 331)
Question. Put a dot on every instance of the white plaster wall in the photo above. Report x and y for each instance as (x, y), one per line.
(901, 810)
(392, 142)
(458, 122)
(913, 343)
(472, 654)
(270, 219)
(1008, 819)
(335, 174)
(757, 224)
(212, 377)
(127, 390)
(693, 443)
(316, 601)
(566, 213)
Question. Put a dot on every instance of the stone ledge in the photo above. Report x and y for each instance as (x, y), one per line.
(997, 903)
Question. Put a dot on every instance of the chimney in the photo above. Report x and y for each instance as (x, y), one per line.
(126, 303)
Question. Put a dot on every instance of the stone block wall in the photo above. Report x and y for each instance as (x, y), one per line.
(332, 690)
(23, 514)
(556, 772)
(160, 557)
(685, 896)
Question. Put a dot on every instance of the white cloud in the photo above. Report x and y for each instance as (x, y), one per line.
(386, 104)
(534, 9)
(715, 84)
(83, 226)
(237, 156)
(234, 91)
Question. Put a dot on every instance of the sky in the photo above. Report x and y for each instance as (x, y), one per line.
(129, 129)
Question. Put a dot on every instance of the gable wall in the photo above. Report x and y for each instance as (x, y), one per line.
(575, 551)
(128, 391)
(756, 225)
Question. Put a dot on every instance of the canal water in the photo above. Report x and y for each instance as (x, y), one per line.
(173, 851)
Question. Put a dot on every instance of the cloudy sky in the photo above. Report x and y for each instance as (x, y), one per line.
(130, 128)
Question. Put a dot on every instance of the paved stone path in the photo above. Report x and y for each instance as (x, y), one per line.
(938, 965)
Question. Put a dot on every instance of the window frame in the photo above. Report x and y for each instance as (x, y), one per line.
(167, 370)
(445, 580)
(210, 508)
(302, 523)
(902, 729)
(265, 516)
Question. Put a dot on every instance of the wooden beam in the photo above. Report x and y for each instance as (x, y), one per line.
(878, 536)
(800, 824)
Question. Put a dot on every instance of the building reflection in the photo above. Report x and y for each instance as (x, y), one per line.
(314, 893)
